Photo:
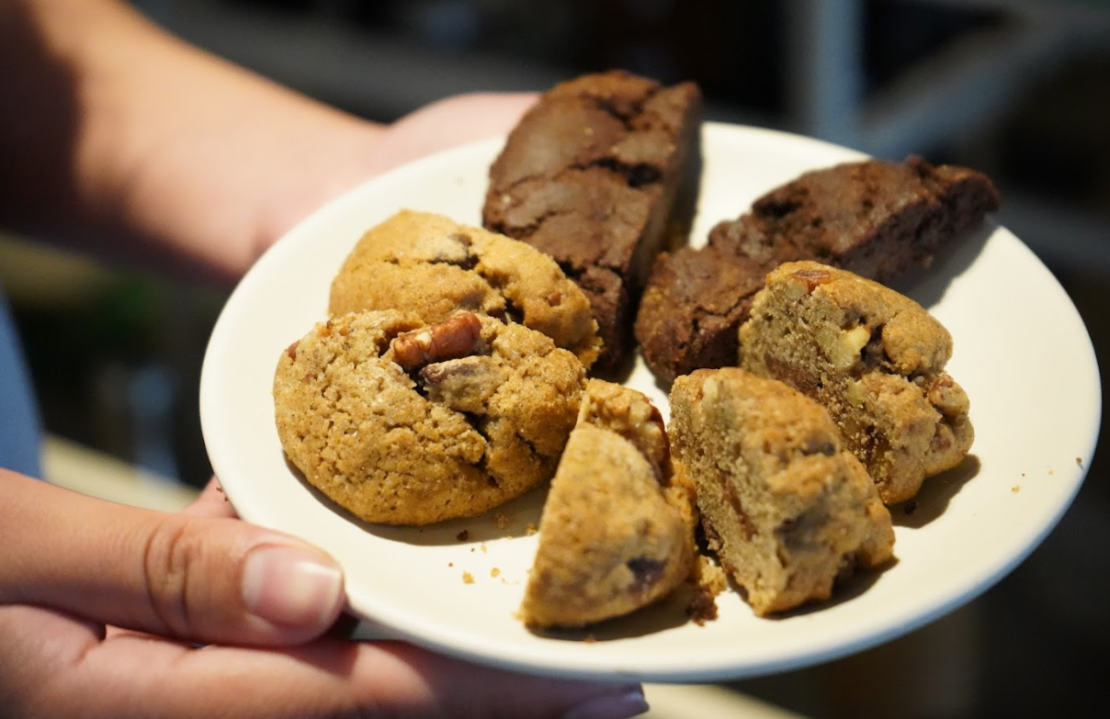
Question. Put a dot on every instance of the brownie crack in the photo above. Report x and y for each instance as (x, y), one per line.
(525, 232)
(636, 176)
(636, 108)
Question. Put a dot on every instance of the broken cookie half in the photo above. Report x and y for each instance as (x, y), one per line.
(617, 530)
(787, 510)
(875, 359)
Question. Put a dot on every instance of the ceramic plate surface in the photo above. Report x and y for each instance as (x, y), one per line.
(1021, 352)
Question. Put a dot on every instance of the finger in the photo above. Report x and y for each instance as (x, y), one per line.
(322, 679)
(199, 578)
(211, 502)
(465, 690)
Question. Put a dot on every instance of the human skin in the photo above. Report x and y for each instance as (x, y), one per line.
(114, 611)
(120, 140)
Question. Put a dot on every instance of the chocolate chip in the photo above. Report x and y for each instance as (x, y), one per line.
(646, 572)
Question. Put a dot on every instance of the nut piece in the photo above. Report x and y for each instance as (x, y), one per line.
(813, 278)
(450, 339)
(849, 343)
(464, 384)
(948, 397)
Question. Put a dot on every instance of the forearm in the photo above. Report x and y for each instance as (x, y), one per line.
(122, 137)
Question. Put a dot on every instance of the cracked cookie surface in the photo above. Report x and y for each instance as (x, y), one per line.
(403, 422)
(784, 506)
(875, 359)
(617, 531)
(428, 264)
(601, 174)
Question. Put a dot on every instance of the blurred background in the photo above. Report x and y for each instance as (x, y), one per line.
(1019, 89)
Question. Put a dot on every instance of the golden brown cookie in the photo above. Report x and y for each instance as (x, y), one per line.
(875, 359)
(402, 422)
(432, 266)
(617, 527)
(786, 509)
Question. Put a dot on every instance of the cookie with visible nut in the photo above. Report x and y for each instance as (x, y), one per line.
(428, 264)
(785, 507)
(617, 531)
(875, 359)
(403, 422)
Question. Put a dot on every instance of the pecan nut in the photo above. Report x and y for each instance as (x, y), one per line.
(463, 384)
(451, 339)
(948, 397)
(813, 278)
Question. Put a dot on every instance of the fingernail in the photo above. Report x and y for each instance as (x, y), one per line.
(291, 587)
(620, 705)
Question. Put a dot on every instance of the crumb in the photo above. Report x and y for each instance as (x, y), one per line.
(450, 564)
(484, 548)
(1051, 472)
(589, 639)
(1079, 462)
(703, 605)
(502, 520)
(909, 507)
(468, 578)
(494, 572)
(463, 535)
(532, 529)
(1016, 488)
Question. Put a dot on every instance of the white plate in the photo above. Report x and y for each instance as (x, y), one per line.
(1021, 352)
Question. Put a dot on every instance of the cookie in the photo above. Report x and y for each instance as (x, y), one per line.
(403, 422)
(875, 218)
(617, 530)
(787, 510)
(875, 359)
(427, 264)
(601, 174)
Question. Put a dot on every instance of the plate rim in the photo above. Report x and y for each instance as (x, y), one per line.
(896, 624)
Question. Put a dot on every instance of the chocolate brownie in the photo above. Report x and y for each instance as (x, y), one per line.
(784, 506)
(601, 174)
(875, 218)
(874, 358)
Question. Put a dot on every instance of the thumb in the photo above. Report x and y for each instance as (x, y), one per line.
(210, 502)
(198, 578)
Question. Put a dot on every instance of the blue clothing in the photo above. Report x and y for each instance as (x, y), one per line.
(20, 429)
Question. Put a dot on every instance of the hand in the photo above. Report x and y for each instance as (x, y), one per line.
(113, 611)
(340, 162)
(125, 141)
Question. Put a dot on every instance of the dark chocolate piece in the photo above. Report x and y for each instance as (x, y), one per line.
(601, 175)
